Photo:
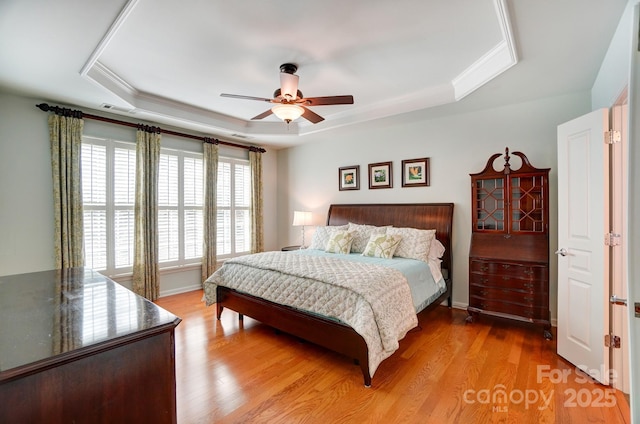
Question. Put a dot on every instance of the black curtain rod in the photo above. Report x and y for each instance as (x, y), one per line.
(79, 114)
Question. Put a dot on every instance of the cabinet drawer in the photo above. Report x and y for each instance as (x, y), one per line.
(511, 296)
(524, 271)
(529, 312)
(507, 282)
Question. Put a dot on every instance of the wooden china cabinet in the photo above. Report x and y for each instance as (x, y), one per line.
(509, 254)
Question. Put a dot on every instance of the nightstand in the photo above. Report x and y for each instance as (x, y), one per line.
(290, 248)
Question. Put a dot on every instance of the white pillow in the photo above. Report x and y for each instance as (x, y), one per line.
(415, 243)
(339, 242)
(382, 245)
(436, 250)
(361, 235)
(321, 236)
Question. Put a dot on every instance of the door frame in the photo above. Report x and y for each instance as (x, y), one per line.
(618, 204)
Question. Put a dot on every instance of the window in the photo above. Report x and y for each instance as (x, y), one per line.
(108, 191)
(234, 205)
(108, 185)
(180, 201)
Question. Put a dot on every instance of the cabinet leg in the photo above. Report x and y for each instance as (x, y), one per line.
(547, 333)
(470, 317)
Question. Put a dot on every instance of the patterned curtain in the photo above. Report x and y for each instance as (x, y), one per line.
(210, 213)
(65, 134)
(145, 258)
(257, 230)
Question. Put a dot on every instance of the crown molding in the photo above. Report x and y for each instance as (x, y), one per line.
(497, 60)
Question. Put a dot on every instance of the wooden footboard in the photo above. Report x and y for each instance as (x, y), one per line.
(315, 329)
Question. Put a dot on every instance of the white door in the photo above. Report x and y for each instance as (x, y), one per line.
(583, 309)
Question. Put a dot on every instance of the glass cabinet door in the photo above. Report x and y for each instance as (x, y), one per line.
(527, 203)
(490, 204)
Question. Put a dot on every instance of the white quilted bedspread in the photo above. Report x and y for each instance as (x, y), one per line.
(374, 300)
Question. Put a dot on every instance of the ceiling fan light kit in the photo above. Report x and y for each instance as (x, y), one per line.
(290, 103)
(287, 112)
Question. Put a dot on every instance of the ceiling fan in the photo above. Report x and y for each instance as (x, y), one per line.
(290, 104)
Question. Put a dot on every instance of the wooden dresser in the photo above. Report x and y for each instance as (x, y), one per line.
(76, 347)
(509, 253)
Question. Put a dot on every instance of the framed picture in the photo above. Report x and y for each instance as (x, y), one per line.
(380, 175)
(415, 172)
(349, 178)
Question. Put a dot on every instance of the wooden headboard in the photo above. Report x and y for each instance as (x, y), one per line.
(425, 216)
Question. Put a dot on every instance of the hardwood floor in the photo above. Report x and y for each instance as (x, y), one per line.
(445, 371)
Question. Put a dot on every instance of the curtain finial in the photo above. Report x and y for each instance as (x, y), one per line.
(149, 129)
(60, 111)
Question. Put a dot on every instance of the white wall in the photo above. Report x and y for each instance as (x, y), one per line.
(457, 145)
(26, 200)
(613, 76)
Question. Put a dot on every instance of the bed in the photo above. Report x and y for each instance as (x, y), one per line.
(326, 331)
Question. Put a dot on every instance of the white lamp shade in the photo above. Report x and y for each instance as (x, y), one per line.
(289, 85)
(301, 218)
(287, 112)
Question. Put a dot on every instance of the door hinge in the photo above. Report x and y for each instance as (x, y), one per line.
(611, 340)
(612, 239)
(612, 137)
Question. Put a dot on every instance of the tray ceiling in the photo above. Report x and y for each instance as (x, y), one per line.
(169, 61)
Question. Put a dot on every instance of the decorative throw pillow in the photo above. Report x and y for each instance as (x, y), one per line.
(321, 236)
(415, 243)
(339, 242)
(361, 235)
(382, 245)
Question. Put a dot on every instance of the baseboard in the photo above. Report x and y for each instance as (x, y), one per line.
(459, 305)
(180, 290)
(456, 305)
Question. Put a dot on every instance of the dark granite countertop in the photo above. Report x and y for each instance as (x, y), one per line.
(55, 315)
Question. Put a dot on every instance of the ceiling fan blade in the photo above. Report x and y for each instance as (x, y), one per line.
(289, 84)
(328, 100)
(311, 116)
(238, 96)
(262, 115)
